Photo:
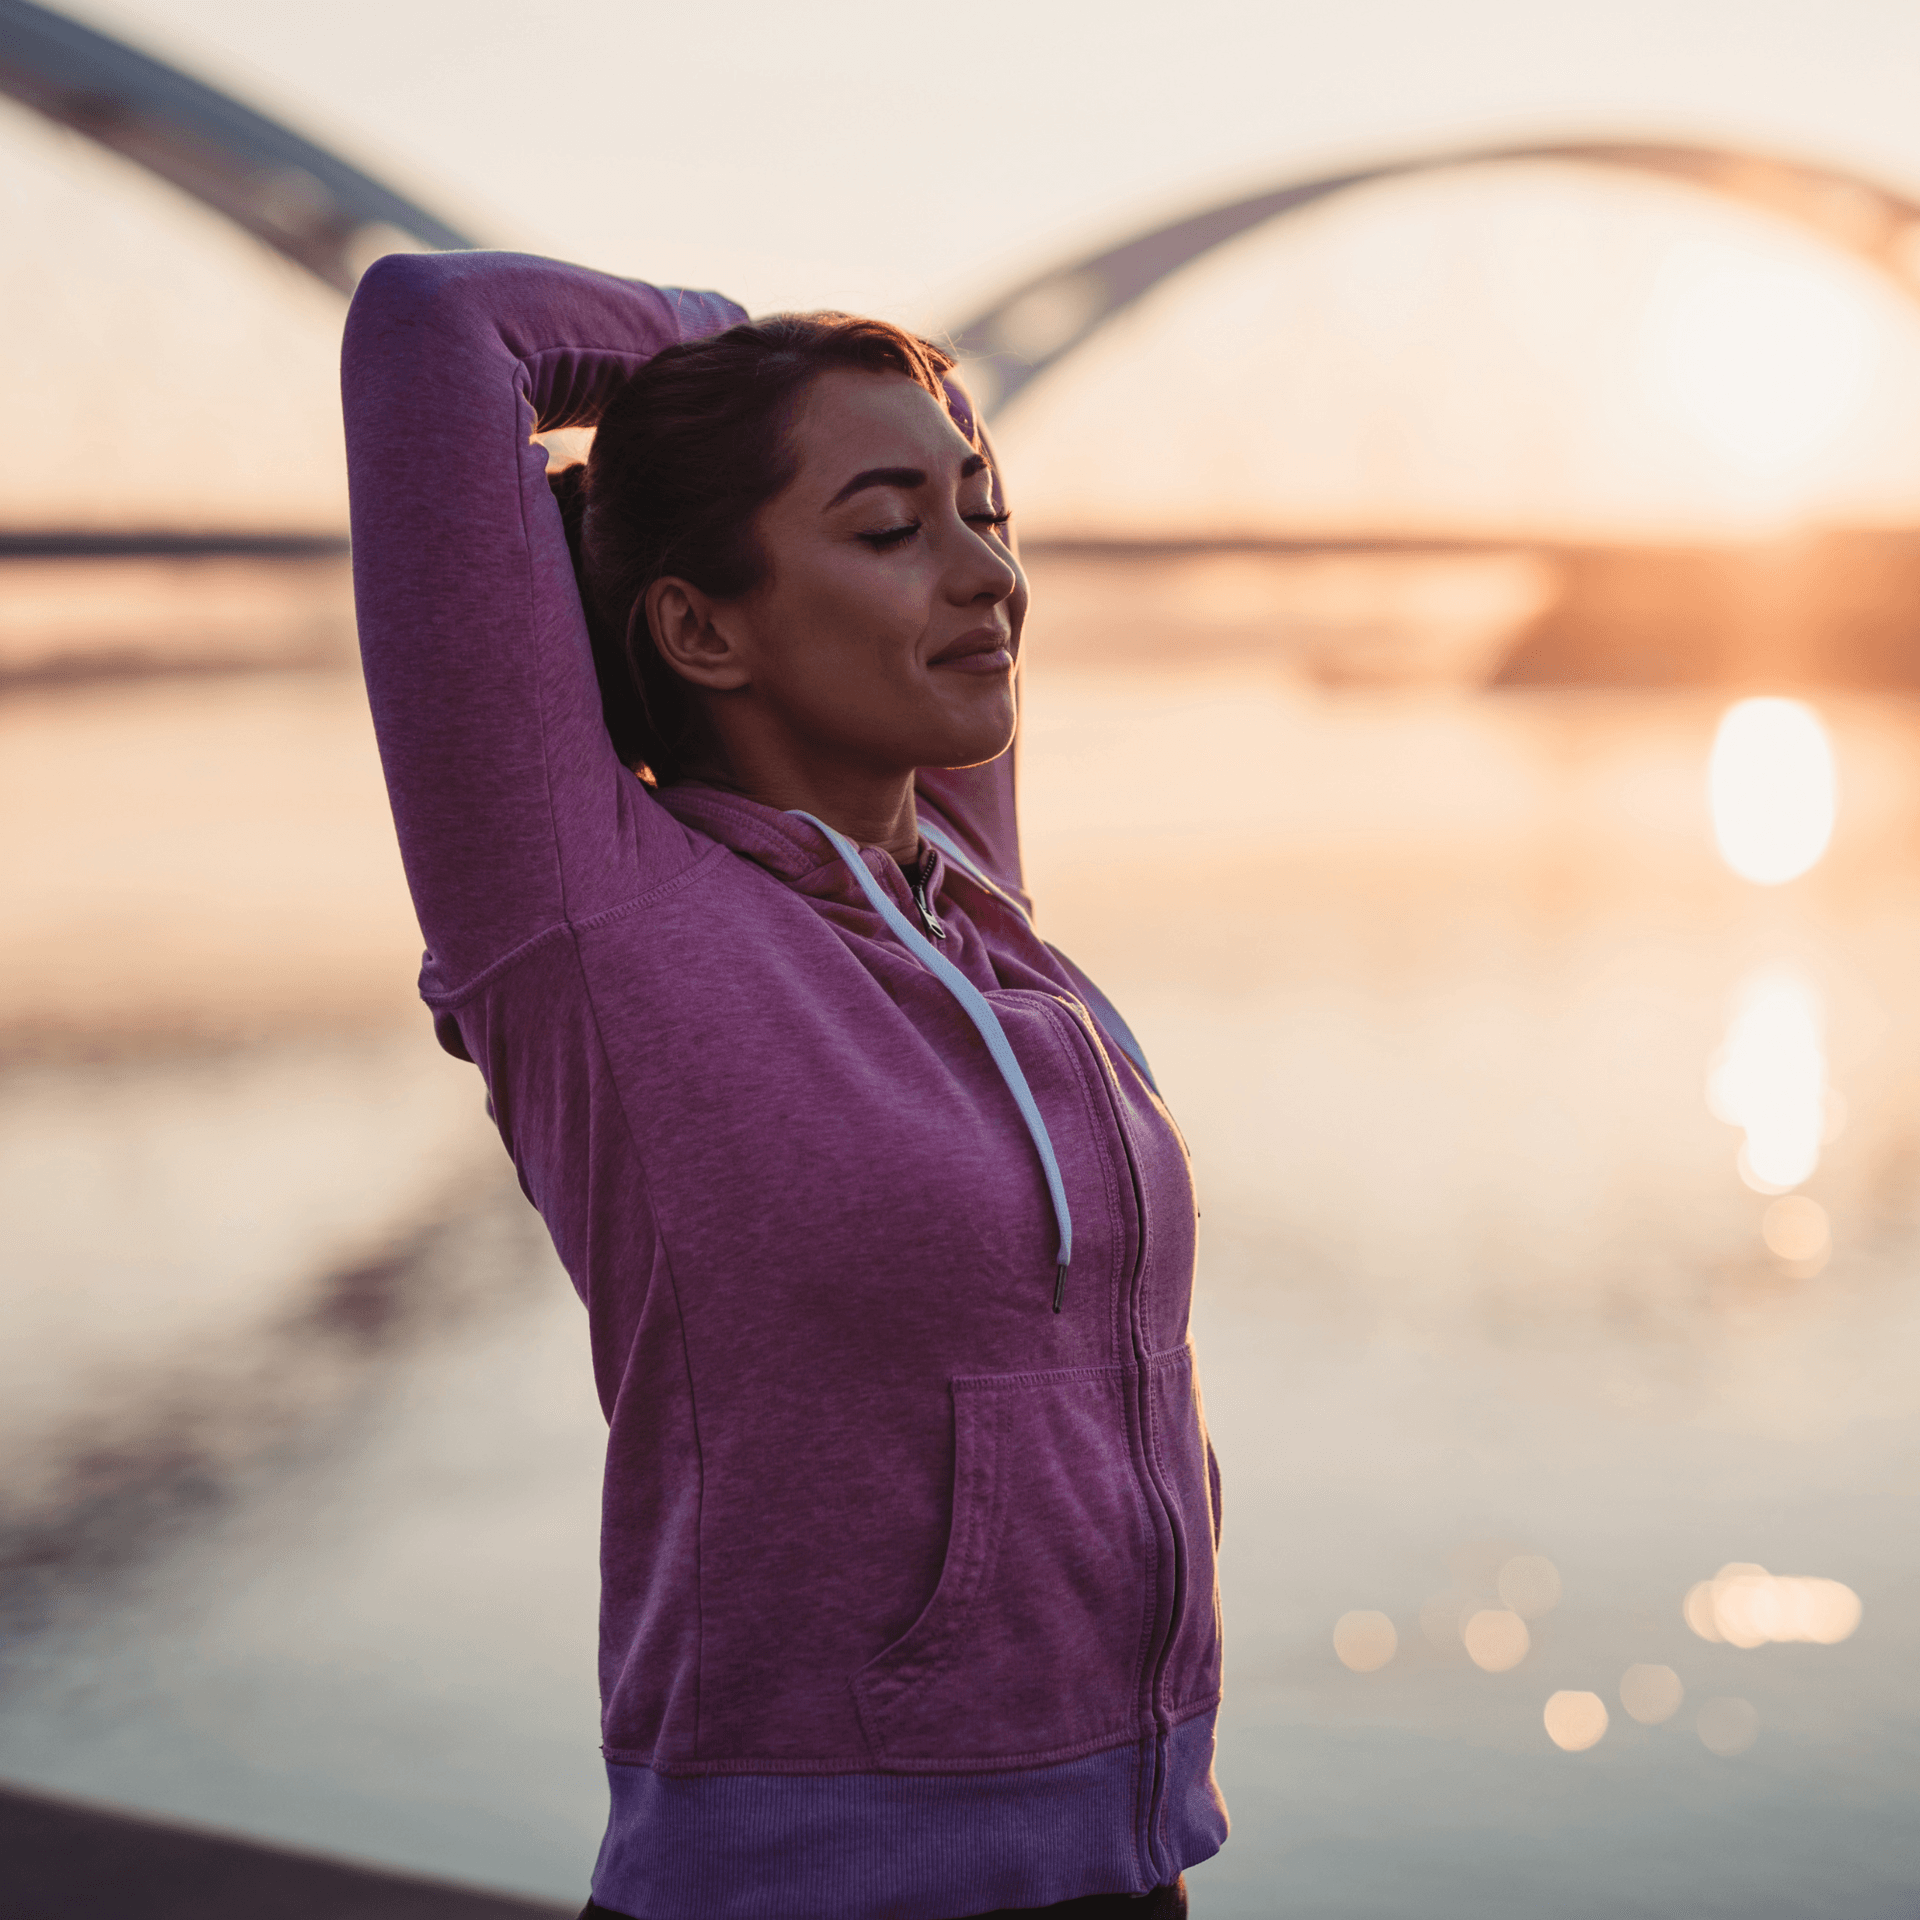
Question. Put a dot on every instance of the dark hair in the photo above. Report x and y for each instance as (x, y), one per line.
(684, 456)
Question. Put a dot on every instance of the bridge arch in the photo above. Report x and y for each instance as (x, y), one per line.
(1039, 323)
(299, 199)
(332, 218)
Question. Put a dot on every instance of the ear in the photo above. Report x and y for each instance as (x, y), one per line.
(694, 638)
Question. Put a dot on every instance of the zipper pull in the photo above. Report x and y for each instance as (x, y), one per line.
(919, 887)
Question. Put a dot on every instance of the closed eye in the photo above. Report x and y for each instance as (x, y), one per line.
(888, 538)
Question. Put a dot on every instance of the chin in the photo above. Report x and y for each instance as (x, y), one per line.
(970, 753)
(975, 745)
(967, 738)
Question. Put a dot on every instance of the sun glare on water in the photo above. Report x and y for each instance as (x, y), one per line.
(1773, 793)
(1770, 1079)
(1772, 789)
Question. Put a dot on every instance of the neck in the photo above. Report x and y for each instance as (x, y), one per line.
(871, 809)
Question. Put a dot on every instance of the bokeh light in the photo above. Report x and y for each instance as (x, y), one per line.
(1364, 1640)
(1530, 1584)
(1496, 1639)
(1744, 1605)
(1651, 1694)
(1770, 1079)
(1575, 1721)
(1797, 1229)
(1772, 789)
(1728, 1725)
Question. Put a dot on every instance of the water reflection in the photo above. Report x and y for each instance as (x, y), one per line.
(1530, 1584)
(1797, 1229)
(1365, 1641)
(1495, 1639)
(1772, 789)
(1651, 1694)
(1746, 1606)
(1770, 1078)
(1575, 1720)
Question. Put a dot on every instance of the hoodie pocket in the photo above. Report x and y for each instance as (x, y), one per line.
(1032, 1645)
(1183, 1456)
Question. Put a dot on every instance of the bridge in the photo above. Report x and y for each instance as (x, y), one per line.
(1621, 615)
(333, 219)
(287, 191)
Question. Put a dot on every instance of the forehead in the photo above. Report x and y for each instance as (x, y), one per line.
(852, 420)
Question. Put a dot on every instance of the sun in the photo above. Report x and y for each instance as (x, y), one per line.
(1765, 356)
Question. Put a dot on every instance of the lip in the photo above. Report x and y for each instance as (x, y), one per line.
(986, 651)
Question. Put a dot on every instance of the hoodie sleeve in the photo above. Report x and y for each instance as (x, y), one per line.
(514, 814)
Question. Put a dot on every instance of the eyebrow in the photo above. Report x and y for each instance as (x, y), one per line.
(899, 477)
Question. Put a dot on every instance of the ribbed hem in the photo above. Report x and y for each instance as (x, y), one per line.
(1193, 1817)
(889, 1846)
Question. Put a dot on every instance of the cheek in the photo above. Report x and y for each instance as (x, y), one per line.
(871, 614)
(839, 647)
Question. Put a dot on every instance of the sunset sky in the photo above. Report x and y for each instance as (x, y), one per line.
(905, 159)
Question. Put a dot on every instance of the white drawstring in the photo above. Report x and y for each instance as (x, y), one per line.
(974, 1004)
(1106, 1015)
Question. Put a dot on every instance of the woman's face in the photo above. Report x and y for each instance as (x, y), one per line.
(886, 630)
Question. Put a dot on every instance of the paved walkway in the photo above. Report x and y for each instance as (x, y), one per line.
(66, 1861)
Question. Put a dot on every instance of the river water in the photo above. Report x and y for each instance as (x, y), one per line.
(1499, 1358)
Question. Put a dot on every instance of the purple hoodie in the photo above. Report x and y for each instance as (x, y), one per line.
(909, 1606)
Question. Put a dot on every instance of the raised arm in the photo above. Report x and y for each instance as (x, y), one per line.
(512, 810)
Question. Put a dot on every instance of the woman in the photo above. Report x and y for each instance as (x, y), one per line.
(884, 1235)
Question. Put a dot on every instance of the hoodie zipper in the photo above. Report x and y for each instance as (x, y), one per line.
(918, 881)
(1157, 1492)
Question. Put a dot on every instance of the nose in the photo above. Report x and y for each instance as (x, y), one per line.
(983, 572)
